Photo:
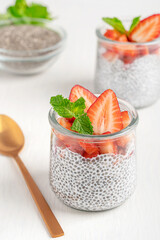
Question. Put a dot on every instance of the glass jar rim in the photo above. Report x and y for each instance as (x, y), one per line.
(59, 29)
(101, 37)
(55, 125)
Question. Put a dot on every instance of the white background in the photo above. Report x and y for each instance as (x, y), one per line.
(26, 99)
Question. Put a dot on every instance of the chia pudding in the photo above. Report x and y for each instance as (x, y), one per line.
(28, 49)
(131, 67)
(87, 179)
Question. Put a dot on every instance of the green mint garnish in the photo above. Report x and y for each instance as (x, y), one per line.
(23, 10)
(67, 109)
(83, 125)
(134, 23)
(116, 24)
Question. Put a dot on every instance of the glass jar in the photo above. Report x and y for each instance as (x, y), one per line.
(132, 70)
(93, 181)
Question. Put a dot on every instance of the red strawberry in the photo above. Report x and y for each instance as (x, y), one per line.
(146, 30)
(89, 148)
(74, 146)
(78, 91)
(87, 155)
(124, 140)
(142, 50)
(125, 119)
(107, 146)
(123, 38)
(112, 34)
(64, 123)
(111, 56)
(127, 53)
(105, 114)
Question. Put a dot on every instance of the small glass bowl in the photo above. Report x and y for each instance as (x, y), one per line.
(131, 69)
(96, 182)
(32, 61)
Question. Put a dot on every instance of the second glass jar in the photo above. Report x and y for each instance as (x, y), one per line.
(131, 70)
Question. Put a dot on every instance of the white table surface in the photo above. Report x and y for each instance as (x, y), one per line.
(26, 99)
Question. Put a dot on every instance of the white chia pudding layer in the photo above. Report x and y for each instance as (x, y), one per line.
(92, 184)
(137, 82)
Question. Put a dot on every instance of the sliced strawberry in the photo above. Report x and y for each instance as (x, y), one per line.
(127, 53)
(78, 91)
(74, 147)
(111, 56)
(155, 49)
(125, 119)
(64, 123)
(124, 140)
(142, 51)
(87, 155)
(105, 114)
(107, 146)
(112, 34)
(146, 30)
(59, 143)
(123, 38)
(89, 148)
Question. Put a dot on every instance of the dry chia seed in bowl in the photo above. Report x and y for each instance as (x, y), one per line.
(27, 38)
(29, 49)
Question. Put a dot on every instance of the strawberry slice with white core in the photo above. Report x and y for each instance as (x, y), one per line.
(78, 91)
(146, 30)
(125, 119)
(105, 114)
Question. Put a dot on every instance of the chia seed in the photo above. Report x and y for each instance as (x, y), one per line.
(137, 82)
(30, 45)
(27, 37)
(94, 184)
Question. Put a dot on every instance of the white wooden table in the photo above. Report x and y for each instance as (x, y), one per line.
(26, 99)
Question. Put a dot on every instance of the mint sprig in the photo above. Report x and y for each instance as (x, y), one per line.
(134, 23)
(21, 9)
(118, 25)
(67, 109)
(115, 23)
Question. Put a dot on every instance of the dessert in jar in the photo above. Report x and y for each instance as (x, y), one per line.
(129, 61)
(93, 149)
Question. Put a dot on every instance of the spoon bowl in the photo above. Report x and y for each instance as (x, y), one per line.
(11, 143)
(11, 136)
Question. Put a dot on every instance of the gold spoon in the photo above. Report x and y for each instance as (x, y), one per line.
(11, 143)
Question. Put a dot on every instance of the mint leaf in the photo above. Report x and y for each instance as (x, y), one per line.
(78, 107)
(22, 10)
(62, 106)
(17, 10)
(65, 108)
(134, 23)
(37, 11)
(115, 23)
(83, 125)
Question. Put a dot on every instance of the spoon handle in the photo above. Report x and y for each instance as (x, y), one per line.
(44, 209)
